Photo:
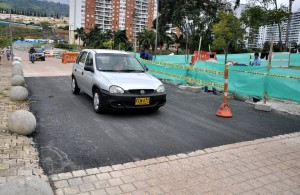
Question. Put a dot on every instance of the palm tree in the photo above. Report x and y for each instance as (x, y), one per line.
(120, 37)
(146, 38)
(79, 34)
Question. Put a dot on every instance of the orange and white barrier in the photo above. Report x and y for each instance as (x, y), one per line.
(224, 110)
(69, 57)
(203, 56)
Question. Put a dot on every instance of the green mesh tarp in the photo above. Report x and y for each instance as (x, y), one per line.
(295, 59)
(168, 72)
(173, 59)
(240, 58)
(284, 84)
(247, 80)
(209, 72)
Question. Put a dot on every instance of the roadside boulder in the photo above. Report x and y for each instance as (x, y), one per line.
(17, 71)
(19, 59)
(16, 63)
(17, 67)
(18, 93)
(22, 122)
(17, 80)
(240, 97)
(26, 185)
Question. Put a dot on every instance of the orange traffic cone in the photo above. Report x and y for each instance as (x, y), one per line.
(224, 111)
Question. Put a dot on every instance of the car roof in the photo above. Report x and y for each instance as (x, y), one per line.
(106, 51)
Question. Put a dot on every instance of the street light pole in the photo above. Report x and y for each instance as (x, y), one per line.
(156, 29)
(11, 39)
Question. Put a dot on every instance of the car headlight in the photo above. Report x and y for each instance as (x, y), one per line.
(115, 89)
(160, 89)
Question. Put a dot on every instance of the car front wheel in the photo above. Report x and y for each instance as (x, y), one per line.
(75, 88)
(97, 100)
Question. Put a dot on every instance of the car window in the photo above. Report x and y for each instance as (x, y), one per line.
(78, 57)
(82, 57)
(38, 50)
(89, 60)
(118, 62)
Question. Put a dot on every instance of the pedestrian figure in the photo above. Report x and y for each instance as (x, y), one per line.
(8, 53)
(211, 59)
(256, 61)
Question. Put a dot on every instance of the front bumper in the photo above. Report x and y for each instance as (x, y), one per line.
(39, 57)
(116, 101)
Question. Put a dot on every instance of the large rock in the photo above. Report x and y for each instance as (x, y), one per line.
(19, 59)
(26, 185)
(18, 80)
(18, 93)
(240, 97)
(22, 122)
(17, 67)
(17, 71)
(16, 63)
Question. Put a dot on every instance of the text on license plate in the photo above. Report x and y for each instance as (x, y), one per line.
(142, 101)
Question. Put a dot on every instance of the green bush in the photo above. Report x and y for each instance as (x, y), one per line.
(64, 46)
(4, 42)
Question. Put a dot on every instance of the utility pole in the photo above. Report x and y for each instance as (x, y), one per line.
(11, 39)
(156, 29)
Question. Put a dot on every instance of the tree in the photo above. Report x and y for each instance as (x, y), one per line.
(227, 31)
(277, 16)
(178, 41)
(79, 34)
(146, 38)
(201, 13)
(253, 17)
(288, 24)
(120, 37)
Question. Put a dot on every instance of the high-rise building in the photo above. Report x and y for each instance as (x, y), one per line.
(294, 31)
(130, 15)
(265, 33)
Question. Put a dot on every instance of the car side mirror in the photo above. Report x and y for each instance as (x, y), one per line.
(89, 68)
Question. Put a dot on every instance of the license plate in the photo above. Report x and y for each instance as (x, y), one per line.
(142, 101)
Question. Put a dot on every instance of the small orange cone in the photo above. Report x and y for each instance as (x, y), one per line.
(224, 111)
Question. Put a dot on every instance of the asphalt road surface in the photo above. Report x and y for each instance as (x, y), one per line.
(71, 136)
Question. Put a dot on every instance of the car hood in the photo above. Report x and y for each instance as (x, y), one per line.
(132, 80)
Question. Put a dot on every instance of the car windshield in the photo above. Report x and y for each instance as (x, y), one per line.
(38, 50)
(118, 63)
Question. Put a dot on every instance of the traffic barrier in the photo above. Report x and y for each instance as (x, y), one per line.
(224, 110)
(203, 56)
(69, 57)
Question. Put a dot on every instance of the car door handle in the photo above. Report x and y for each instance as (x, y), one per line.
(82, 73)
(75, 69)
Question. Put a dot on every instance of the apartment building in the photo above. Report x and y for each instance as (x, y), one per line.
(130, 15)
(294, 32)
(265, 33)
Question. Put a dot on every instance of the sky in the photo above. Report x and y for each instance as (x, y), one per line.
(296, 4)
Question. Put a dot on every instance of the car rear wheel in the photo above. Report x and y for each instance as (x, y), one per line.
(98, 103)
(75, 88)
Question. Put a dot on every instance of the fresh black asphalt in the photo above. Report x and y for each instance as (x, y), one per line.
(71, 136)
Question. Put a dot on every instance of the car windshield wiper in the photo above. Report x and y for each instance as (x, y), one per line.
(106, 70)
(129, 70)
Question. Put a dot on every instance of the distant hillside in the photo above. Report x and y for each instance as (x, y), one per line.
(36, 6)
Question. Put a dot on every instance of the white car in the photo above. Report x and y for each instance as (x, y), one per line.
(116, 79)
